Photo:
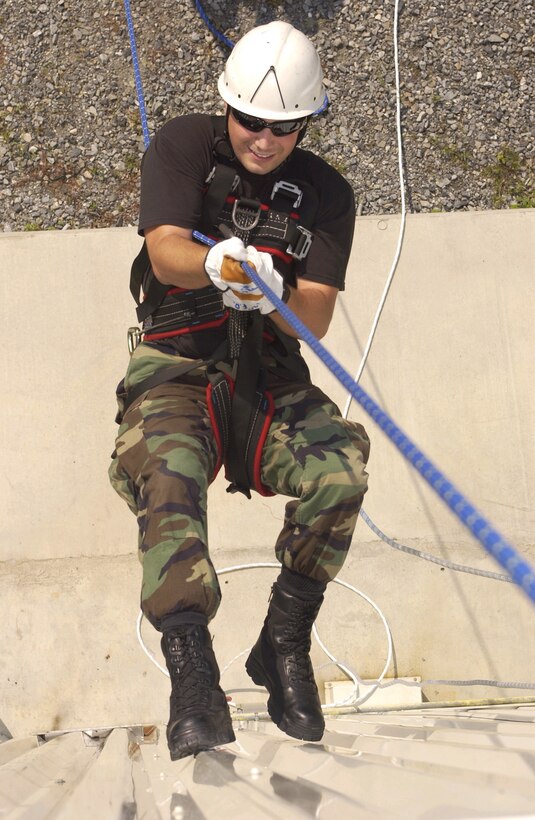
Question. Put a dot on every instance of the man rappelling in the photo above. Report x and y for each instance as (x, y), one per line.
(219, 379)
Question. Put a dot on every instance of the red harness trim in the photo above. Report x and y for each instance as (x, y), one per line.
(215, 426)
(216, 323)
(260, 488)
(275, 252)
(266, 249)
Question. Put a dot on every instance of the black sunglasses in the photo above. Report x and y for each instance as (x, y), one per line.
(281, 128)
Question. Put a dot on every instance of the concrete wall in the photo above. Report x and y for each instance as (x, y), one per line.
(451, 362)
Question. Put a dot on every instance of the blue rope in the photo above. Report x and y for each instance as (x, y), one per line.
(506, 555)
(137, 74)
(212, 28)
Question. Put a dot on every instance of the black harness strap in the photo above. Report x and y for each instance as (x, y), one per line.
(165, 374)
(223, 177)
(139, 273)
(218, 190)
(244, 402)
(219, 401)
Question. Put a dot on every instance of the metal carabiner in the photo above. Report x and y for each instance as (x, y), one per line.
(246, 213)
(300, 248)
(134, 335)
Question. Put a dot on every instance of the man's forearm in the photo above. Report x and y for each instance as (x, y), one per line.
(177, 260)
(313, 306)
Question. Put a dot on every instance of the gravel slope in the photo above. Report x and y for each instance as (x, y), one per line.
(70, 134)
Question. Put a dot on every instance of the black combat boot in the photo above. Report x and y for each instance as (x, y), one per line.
(200, 717)
(280, 658)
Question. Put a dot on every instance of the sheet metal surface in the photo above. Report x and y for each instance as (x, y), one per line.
(435, 764)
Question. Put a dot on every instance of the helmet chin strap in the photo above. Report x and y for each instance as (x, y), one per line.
(302, 132)
(228, 151)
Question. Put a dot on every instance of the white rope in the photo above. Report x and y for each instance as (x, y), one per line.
(401, 232)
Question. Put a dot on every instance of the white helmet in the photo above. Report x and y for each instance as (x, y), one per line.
(273, 72)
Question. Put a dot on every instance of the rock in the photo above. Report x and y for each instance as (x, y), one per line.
(465, 85)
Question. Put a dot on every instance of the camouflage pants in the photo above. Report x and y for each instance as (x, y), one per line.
(165, 460)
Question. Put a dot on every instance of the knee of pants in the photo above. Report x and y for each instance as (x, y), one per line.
(123, 484)
(179, 578)
(341, 473)
(171, 507)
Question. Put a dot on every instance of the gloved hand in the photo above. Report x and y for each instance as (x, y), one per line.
(263, 264)
(225, 255)
(223, 266)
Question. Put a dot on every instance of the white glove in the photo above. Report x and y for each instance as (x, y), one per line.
(263, 263)
(223, 266)
(221, 256)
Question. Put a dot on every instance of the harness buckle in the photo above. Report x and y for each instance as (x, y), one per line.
(302, 245)
(134, 335)
(246, 213)
(290, 189)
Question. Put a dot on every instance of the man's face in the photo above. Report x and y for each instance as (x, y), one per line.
(259, 152)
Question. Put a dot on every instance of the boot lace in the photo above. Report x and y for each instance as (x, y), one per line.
(191, 675)
(296, 644)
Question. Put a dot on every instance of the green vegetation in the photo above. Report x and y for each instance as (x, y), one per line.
(134, 119)
(512, 179)
(132, 162)
(313, 135)
(338, 164)
(455, 154)
(524, 201)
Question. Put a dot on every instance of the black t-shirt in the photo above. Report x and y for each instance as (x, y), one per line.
(179, 160)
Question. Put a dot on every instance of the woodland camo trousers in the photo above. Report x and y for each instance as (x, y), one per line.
(164, 462)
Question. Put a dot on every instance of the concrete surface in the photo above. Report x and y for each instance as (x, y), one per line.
(452, 363)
